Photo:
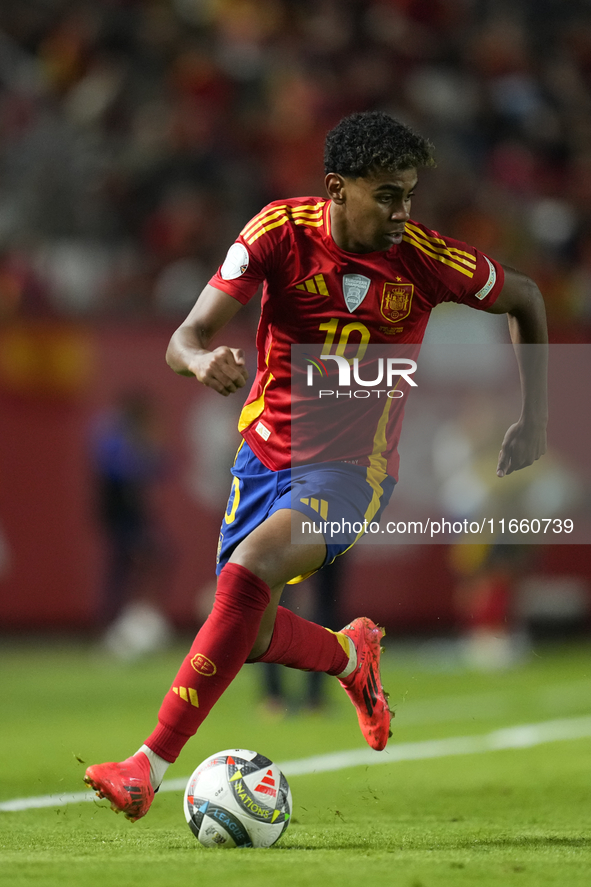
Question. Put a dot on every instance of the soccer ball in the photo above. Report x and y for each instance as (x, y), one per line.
(237, 798)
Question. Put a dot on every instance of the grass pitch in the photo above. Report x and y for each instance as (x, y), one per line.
(513, 816)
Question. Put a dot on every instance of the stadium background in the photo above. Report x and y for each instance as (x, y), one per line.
(136, 139)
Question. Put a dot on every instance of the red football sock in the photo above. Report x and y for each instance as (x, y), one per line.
(218, 653)
(301, 644)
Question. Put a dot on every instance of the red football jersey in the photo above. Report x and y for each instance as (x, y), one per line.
(316, 293)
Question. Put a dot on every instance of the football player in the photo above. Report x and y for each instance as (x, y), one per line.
(348, 269)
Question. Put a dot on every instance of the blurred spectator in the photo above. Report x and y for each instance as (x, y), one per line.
(492, 634)
(489, 574)
(137, 137)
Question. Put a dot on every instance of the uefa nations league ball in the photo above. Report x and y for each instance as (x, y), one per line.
(237, 798)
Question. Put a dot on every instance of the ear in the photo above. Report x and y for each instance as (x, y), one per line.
(335, 187)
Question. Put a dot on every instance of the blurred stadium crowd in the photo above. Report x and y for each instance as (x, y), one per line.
(137, 136)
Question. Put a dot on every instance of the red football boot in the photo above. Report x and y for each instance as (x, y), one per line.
(364, 686)
(126, 785)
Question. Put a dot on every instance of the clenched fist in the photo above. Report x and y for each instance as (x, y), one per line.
(222, 369)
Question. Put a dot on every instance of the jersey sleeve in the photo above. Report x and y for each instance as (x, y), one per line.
(481, 290)
(251, 258)
(457, 272)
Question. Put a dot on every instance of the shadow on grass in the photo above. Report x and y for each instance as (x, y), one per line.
(527, 841)
(509, 842)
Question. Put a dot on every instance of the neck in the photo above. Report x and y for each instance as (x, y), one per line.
(339, 229)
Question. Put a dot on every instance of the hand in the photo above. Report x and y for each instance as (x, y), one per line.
(222, 369)
(523, 443)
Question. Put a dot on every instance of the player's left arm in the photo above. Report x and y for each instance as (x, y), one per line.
(522, 302)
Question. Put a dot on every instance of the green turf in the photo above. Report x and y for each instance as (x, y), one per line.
(518, 817)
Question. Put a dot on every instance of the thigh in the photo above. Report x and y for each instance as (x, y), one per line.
(337, 502)
(325, 506)
(269, 552)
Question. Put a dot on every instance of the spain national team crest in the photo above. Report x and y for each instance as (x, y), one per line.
(396, 301)
(355, 289)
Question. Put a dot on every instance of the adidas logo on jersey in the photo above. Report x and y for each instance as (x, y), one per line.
(316, 284)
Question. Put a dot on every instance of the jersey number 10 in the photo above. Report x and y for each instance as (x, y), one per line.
(332, 326)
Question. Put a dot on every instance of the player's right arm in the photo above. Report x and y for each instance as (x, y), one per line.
(188, 354)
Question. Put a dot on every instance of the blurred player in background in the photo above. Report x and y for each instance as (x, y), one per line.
(352, 261)
(128, 461)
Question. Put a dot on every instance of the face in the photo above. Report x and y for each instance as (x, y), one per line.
(369, 214)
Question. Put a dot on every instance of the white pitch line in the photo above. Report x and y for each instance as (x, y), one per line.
(518, 737)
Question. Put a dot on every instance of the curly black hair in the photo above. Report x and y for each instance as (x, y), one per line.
(372, 140)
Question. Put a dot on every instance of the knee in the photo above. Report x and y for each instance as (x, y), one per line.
(261, 563)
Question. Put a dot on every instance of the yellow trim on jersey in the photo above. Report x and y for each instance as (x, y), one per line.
(466, 258)
(376, 473)
(430, 251)
(378, 464)
(308, 223)
(264, 215)
(251, 239)
(461, 255)
(307, 214)
(421, 234)
(311, 211)
(304, 206)
(253, 410)
(281, 208)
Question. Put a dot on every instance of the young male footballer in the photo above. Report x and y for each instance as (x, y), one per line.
(350, 265)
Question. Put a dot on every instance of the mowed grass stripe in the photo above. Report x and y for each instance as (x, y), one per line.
(516, 737)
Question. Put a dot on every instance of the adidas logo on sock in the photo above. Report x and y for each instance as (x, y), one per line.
(189, 694)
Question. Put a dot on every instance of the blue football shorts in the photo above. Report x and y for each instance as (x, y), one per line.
(341, 501)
